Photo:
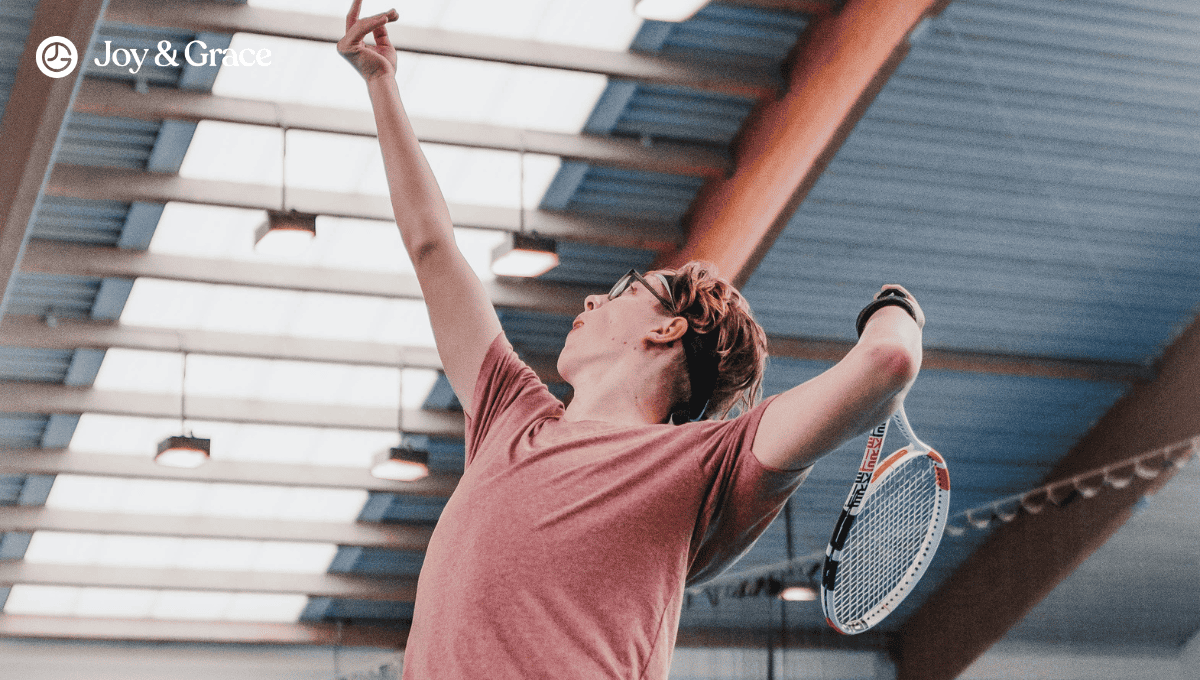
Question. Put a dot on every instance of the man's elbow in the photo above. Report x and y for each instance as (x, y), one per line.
(895, 365)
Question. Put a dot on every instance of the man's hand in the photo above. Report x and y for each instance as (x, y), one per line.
(371, 61)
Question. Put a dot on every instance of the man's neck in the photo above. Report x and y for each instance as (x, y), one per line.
(621, 394)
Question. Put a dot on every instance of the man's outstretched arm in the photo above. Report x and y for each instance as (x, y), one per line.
(463, 318)
(859, 392)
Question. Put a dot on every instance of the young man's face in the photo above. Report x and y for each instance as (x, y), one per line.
(607, 328)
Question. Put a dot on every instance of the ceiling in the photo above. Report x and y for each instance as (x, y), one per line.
(1027, 169)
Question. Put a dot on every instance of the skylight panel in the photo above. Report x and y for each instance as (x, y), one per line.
(156, 604)
(443, 88)
(601, 24)
(164, 552)
(179, 304)
(240, 442)
(262, 379)
(354, 165)
(199, 499)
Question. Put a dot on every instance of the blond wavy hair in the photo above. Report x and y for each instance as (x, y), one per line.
(726, 348)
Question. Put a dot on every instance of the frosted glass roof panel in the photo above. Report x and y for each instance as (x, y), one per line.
(177, 304)
(602, 24)
(123, 435)
(200, 499)
(436, 87)
(262, 379)
(350, 164)
(155, 604)
(164, 552)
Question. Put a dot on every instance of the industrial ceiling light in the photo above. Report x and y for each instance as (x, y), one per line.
(667, 10)
(798, 594)
(184, 450)
(404, 463)
(522, 254)
(285, 233)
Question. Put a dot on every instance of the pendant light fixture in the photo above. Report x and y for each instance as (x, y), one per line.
(523, 254)
(285, 232)
(403, 463)
(183, 450)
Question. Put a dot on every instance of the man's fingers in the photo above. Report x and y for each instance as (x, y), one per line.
(360, 28)
(352, 15)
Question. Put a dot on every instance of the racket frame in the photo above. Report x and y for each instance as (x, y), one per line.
(867, 479)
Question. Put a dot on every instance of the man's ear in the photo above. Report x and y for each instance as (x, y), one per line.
(669, 331)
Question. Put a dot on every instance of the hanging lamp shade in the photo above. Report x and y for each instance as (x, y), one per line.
(285, 232)
(524, 255)
(404, 463)
(183, 451)
(667, 10)
(798, 594)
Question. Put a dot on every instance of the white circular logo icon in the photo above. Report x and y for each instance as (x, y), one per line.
(57, 56)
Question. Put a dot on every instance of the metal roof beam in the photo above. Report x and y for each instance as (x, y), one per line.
(37, 107)
(223, 17)
(67, 259)
(64, 461)
(390, 535)
(20, 330)
(27, 331)
(1021, 562)
(157, 630)
(116, 184)
(842, 62)
(348, 586)
(33, 397)
(109, 98)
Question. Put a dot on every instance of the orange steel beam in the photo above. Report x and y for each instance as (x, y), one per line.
(1022, 562)
(37, 107)
(840, 65)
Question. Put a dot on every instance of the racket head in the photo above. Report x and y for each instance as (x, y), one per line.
(881, 548)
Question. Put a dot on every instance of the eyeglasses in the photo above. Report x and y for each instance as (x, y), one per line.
(632, 275)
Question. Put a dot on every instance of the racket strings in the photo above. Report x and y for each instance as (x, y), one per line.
(886, 538)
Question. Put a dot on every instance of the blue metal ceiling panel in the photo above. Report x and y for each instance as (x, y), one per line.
(726, 33)
(718, 34)
(48, 295)
(377, 561)
(80, 221)
(630, 193)
(42, 365)
(21, 430)
(1029, 172)
(599, 266)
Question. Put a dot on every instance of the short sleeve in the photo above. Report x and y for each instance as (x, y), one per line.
(743, 498)
(508, 397)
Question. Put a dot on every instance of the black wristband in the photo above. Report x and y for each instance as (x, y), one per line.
(891, 296)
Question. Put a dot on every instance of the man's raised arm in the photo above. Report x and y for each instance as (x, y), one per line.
(464, 321)
(859, 392)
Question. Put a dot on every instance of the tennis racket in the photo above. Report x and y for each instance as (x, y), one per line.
(887, 533)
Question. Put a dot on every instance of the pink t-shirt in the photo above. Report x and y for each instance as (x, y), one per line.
(565, 549)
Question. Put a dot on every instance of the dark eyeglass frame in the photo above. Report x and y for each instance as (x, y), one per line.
(632, 275)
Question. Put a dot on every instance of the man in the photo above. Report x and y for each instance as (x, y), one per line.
(566, 547)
